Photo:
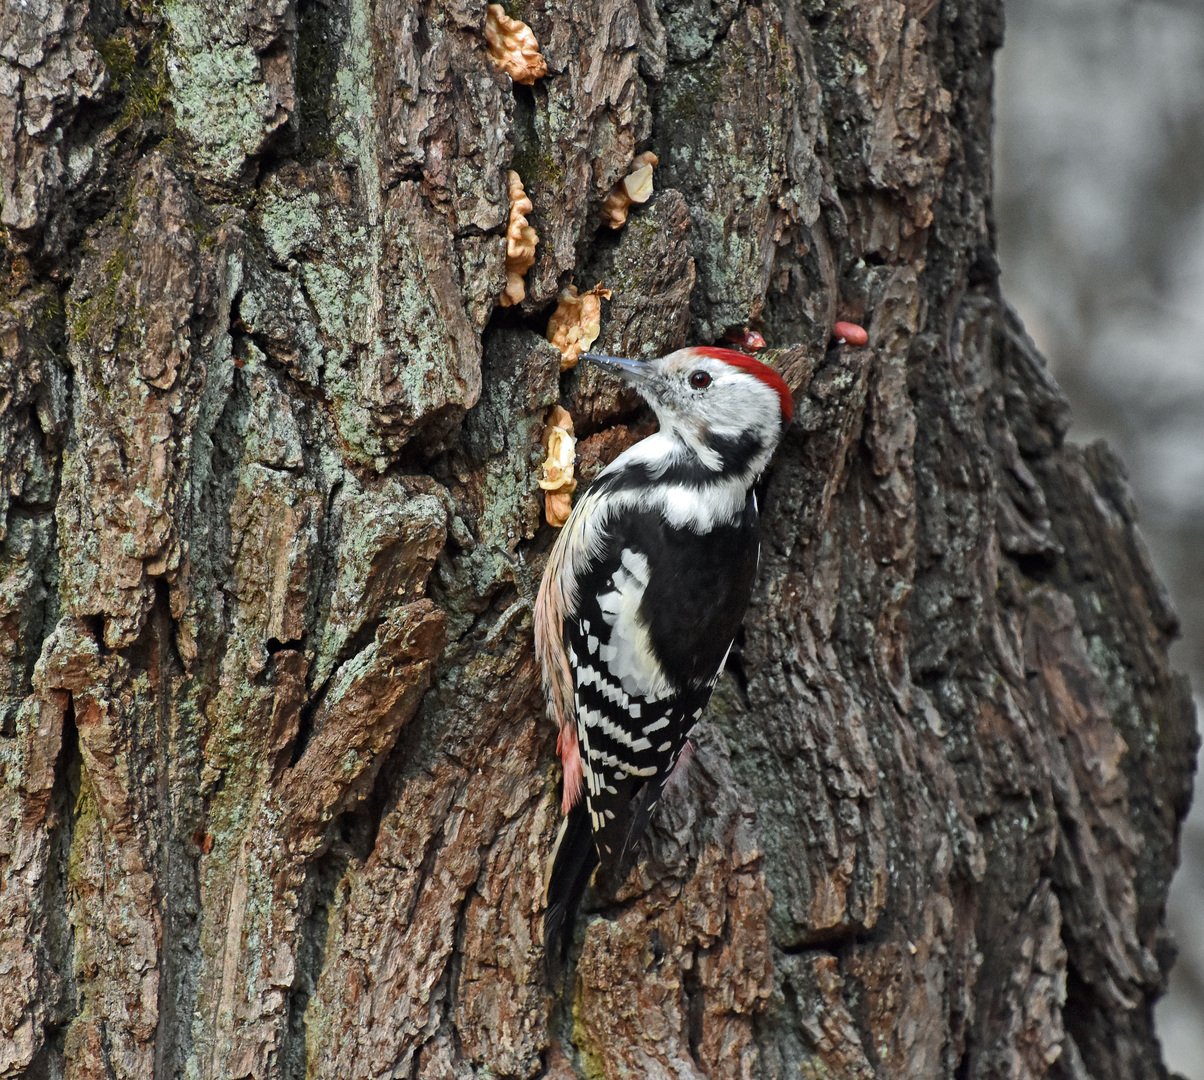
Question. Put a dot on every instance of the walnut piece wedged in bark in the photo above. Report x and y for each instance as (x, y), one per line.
(576, 323)
(512, 47)
(635, 187)
(521, 239)
(556, 477)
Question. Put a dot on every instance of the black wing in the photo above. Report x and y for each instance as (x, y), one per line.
(694, 592)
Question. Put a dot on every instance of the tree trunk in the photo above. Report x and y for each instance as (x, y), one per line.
(276, 785)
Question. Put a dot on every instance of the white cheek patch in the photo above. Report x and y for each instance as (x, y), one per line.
(629, 654)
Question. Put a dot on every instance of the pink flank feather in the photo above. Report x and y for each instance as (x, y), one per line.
(570, 757)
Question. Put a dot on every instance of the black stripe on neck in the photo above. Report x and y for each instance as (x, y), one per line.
(691, 473)
(736, 454)
(736, 451)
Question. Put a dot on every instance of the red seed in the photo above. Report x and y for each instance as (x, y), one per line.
(745, 338)
(851, 333)
(203, 840)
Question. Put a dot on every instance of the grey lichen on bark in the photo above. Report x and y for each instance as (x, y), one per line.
(276, 787)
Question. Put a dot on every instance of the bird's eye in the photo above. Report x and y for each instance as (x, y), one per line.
(700, 380)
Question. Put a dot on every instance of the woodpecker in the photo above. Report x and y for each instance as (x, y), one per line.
(643, 593)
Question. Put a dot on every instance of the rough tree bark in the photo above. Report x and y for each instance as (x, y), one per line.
(275, 784)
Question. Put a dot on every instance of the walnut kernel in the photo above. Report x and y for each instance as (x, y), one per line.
(576, 323)
(521, 239)
(635, 187)
(512, 46)
(556, 477)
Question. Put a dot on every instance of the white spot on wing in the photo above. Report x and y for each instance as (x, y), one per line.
(636, 565)
(630, 655)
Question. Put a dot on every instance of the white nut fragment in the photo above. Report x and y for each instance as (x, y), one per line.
(635, 187)
(576, 323)
(512, 46)
(521, 239)
(556, 477)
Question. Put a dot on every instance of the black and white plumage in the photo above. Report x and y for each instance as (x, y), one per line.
(644, 591)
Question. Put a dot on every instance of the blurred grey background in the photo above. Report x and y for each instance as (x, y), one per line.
(1100, 209)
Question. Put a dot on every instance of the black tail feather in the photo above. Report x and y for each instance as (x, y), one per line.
(624, 835)
(572, 865)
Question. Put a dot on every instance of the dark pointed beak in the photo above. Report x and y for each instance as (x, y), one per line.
(634, 371)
